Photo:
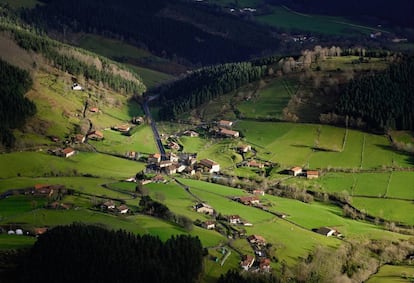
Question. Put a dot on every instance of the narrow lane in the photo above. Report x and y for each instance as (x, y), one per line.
(154, 130)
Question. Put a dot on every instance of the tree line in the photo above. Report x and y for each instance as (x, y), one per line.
(70, 64)
(85, 253)
(216, 38)
(206, 84)
(15, 108)
(384, 100)
(38, 43)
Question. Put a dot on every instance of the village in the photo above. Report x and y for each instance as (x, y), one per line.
(162, 168)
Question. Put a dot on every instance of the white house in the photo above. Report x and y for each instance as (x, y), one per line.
(210, 164)
(76, 86)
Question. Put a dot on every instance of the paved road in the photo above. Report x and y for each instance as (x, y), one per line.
(154, 130)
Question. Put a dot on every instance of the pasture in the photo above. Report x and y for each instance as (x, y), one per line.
(314, 146)
(123, 52)
(387, 184)
(283, 17)
(393, 274)
(43, 164)
(9, 242)
(281, 233)
(268, 101)
(398, 211)
(114, 142)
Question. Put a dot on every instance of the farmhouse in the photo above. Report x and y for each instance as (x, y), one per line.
(234, 219)
(154, 158)
(247, 262)
(158, 179)
(209, 224)
(312, 174)
(248, 200)
(171, 156)
(326, 231)
(165, 163)
(41, 189)
(229, 133)
(204, 208)
(244, 148)
(108, 205)
(76, 86)
(225, 123)
(259, 192)
(122, 128)
(95, 135)
(131, 155)
(79, 138)
(137, 120)
(173, 145)
(191, 134)
(94, 109)
(189, 170)
(211, 165)
(39, 231)
(68, 152)
(123, 209)
(170, 170)
(264, 265)
(255, 164)
(257, 240)
(181, 168)
(295, 171)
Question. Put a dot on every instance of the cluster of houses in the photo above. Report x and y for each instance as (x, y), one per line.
(110, 206)
(259, 262)
(298, 171)
(185, 163)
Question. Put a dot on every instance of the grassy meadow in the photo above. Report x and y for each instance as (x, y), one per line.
(393, 274)
(115, 143)
(42, 164)
(267, 102)
(284, 17)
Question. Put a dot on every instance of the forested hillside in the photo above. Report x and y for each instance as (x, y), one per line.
(68, 62)
(206, 84)
(14, 107)
(384, 100)
(80, 253)
(145, 23)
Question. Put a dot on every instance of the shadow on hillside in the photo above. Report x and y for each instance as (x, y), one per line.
(409, 158)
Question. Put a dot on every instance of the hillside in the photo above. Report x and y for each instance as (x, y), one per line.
(285, 168)
(54, 68)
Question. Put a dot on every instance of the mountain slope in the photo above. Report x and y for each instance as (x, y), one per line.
(54, 68)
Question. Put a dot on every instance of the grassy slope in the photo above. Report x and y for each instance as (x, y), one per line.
(285, 18)
(393, 274)
(106, 166)
(119, 50)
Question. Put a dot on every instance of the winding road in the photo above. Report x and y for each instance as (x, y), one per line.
(154, 128)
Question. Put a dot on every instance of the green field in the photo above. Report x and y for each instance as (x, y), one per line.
(394, 210)
(41, 164)
(294, 144)
(393, 274)
(114, 142)
(15, 242)
(121, 51)
(268, 102)
(22, 3)
(283, 17)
